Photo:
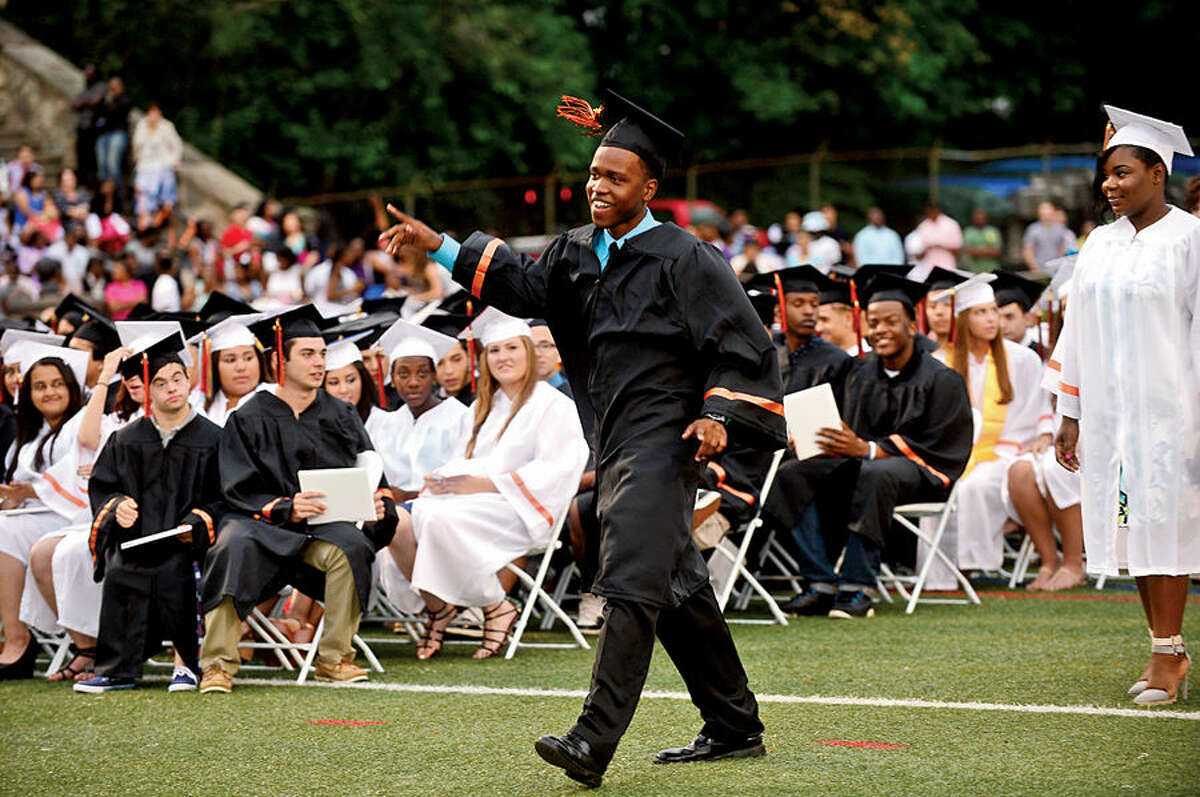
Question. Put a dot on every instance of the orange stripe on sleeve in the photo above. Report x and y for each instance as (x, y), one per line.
(266, 510)
(1070, 390)
(58, 488)
(1054, 365)
(721, 485)
(902, 444)
(208, 523)
(96, 524)
(759, 401)
(481, 268)
(531, 499)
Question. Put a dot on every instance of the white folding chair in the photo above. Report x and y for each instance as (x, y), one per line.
(905, 515)
(534, 585)
(299, 657)
(738, 556)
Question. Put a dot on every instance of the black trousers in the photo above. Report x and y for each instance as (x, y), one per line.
(141, 606)
(697, 639)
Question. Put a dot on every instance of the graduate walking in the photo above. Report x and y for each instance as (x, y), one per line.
(661, 343)
(1128, 383)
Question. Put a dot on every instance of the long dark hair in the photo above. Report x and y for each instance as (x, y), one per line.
(30, 419)
(1146, 155)
(368, 397)
(214, 363)
(124, 406)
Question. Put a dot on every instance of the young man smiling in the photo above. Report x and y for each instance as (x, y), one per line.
(905, 436)
(664, 350)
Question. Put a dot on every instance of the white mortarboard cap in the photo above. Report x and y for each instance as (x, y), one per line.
(139, 344)
(406, 339)
(492, 326)
(12, 337)
(340, 354)
(974, 292)
(130, 331)
(814, 221)
(29, 352)
(233, 331)
(1164, 138)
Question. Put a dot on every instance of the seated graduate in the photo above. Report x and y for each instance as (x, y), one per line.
(62, 594)
(937, 316)
(49, 398)
(156, 474)
(417, 439)
(232, 368)
(97, 336)
(265, 541)
(1004, 384)
(347, 379)
(906, 436)
(456, 369)
(493, 503)
(1017, 299)
(365, 331)
(549, 363)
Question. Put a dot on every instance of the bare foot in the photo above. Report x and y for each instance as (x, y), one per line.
(1066, 577)
(1042, 579)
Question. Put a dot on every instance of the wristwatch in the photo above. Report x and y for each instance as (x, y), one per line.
(714, 416)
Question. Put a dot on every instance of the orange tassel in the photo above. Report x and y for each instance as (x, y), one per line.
(278, 353)
(922, 319)
(953, 317)
(857, 317)
(206, 374)
(380, 364)
(782, 303)
(146, 383)
(1109, 132)
(581, 113)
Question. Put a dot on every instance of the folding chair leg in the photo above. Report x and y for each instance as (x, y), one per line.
(368, 654)
(772, 605)
(560, 592)
(935, 546)
(307, 666)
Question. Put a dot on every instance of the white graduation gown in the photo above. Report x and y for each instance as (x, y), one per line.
(463, 540)
(18, 533)
(1127, 366)
(218, 412)
(411, 449)
(376, 421)
(1053, 481)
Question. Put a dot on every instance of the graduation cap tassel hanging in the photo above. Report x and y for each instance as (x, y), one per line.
(379, 364)
(953, 317)
(922, 319)
(278, 353)
(581, 112)
(146, 383)
(206, 374)
(857, 312)
(1109, 132)
(471, 347)
(782, 304)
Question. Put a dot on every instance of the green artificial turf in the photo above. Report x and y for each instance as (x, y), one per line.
(259, 740)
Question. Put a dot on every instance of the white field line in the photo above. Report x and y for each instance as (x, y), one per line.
(820, 700)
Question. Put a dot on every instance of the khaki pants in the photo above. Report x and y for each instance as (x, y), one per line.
(223, 628)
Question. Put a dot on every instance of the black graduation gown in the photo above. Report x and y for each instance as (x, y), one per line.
(263, 447)
(8, 425)
(923, 414)
(663, 336)
(150, 591)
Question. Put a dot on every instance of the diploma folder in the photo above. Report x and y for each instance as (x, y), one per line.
(349, 492)
(807, 411)
(160, 535)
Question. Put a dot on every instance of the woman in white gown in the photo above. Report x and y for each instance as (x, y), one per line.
(500, 498)
(48, 401)
(346, 378)
(234, 371)
(1127, 374)
(1004, 381)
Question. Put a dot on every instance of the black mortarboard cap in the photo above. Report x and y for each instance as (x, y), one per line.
(640, 132)
(76, 310)
(457, 303)
(1011, 288)
(865, 273)
(940, 279)
(385, 305)
(886, 286)
(141, 312)
(219, 306)
(101, 332)
(161, 353)
(764, 305)
(191, 323)
(797, 279)
(304, 321)
(835, 292)
(365, 329)
(447, 323)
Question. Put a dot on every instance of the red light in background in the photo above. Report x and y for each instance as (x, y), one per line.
(565, 194)
(530, 197)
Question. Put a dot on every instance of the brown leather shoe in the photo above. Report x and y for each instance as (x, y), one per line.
(342, 672)
(216, 680)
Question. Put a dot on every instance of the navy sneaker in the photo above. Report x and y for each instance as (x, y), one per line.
(184, 680)
(850, 605)
(809, 603)
(102, 683)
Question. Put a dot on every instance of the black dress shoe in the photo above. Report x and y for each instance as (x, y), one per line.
(809, 604)
(573, 755)
(23, 667)
(705, 749)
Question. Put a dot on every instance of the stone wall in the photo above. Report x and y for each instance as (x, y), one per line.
(37, 86)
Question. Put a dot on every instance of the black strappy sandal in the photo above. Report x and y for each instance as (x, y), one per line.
(69, 674)
(495, 638)
(431, 637)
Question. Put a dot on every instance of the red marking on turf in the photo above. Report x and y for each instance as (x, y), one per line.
(867, 745)
(349, 723)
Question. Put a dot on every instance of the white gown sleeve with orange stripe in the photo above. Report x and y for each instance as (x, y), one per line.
(60, 486)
